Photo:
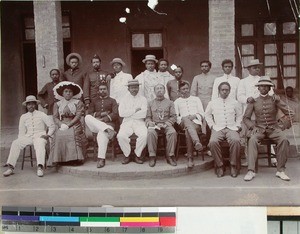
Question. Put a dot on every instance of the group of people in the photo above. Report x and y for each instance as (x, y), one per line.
(115, 104)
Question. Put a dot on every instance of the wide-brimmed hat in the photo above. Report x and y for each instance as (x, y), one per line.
(265, 80)
(117, 60)
(253, 62)
(30, 98)
(150, 57)
(73, 55)
(60, 87)
(133, 82)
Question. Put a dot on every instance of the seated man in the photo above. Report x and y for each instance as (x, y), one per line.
(224, 116)
(133, 109)
(160, 117)
(32, 131)
(189, 112)
(101, 119)
(266, 125)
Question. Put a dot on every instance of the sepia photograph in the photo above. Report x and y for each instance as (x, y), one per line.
(150, 103)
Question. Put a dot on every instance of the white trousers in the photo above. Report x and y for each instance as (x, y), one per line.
(126, 130)
(20, 143)
(97, 126)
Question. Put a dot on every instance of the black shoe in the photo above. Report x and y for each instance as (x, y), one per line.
(138, 160)
(171, 161)
(126, 160)
(233, 172)
(220, 172)
(101, 163)
(152, 161)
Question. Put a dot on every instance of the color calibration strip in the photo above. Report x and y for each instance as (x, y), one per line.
(89, 219)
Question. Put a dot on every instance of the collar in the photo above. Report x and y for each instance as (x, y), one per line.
(103, 97)
(75, 69)
(264, 95)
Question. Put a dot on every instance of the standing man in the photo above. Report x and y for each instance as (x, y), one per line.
(101, 119)
(227, 66)
(173, 85)
(133, 108)
(224, 116)
(46, 95)
(190, 114)
(202, 84)
(95, 77)
(32, 131)
(163, 73)
(149, 78)
(247, 91)
(265, 108)
(118, 84)
(76, 75)
(161, 116)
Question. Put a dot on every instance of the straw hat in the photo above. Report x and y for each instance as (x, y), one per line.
(150, 57)
(30, 98)
(253, 62)
(133, 82)
(60, 87)
(117, 60)
(264, 80)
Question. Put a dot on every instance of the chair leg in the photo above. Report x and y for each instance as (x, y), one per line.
(31, 158)
(23, 159)
(269, 154)
(113, 152)
(95, 147)
(177, 147)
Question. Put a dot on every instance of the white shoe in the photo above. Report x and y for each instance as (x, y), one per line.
(208, 152)
(282, 175)
(245, 164)
(8, 172)
(40, 172)
(249, 176)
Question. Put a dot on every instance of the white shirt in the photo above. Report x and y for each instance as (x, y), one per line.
(189, 106)
(166, 76)
(224, 113)
(118, 85)
(232, 80)
(35, 124)
(129, 104)
(148, 81)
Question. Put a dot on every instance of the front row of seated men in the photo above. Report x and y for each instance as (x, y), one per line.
(223, 115)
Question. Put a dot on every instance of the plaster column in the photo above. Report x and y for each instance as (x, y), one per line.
(48, 39)
(221, 33)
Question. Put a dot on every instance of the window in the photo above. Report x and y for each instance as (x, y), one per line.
(275, 44)
(29, 28)
(146, 40)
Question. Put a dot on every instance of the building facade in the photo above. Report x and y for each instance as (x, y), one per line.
(37, 36)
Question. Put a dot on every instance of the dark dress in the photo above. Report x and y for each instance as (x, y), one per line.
(70, 144)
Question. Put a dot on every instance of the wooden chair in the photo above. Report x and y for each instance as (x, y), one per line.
(181, 144)
(226, 156)
(266, 142)
(29, 157)
(95, 147)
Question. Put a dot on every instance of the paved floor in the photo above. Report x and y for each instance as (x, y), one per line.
(24, 188)
(202, 188)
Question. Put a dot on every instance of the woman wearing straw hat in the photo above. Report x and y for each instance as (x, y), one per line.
(69, 140)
